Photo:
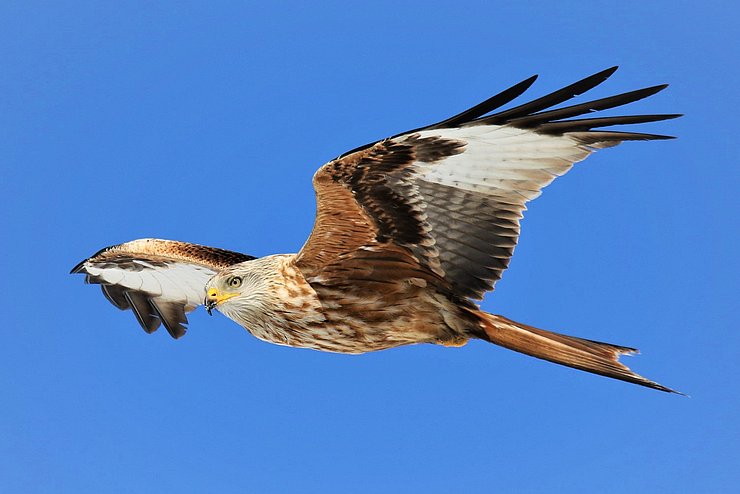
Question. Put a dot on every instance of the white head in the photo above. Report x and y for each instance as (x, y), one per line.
(241, 292)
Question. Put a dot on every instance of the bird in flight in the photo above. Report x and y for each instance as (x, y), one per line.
(409, 232)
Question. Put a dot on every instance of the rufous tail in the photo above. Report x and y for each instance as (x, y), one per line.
(590, 356)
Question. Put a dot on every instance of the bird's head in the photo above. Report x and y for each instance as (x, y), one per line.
(240, 290)
(222, 288)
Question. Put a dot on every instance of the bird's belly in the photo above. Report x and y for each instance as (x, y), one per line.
(339, 338)
(351, 331)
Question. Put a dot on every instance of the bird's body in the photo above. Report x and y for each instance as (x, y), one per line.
(286, 308)
(409, 231)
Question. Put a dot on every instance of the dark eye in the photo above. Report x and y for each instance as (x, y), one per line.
(235, 282)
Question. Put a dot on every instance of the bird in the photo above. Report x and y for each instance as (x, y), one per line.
(410, 232)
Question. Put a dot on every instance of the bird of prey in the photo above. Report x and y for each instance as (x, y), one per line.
(409, 232)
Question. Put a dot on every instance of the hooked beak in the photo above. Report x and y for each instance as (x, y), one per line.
(209, 306)
(214, 297)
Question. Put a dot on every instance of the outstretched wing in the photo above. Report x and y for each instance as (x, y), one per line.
(159, 280)
(451, 194)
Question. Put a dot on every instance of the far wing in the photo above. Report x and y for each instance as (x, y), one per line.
(159, 280)
(452, 194)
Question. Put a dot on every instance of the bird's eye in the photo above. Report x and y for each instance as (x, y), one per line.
(235, 282)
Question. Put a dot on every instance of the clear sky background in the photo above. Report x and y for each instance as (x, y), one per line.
(204, 122)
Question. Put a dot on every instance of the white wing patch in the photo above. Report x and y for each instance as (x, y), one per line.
(181, 283)
(503, 161)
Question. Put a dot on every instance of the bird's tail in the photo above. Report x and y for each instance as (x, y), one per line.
(591, 356)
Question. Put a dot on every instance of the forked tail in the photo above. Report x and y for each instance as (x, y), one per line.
(591, 356)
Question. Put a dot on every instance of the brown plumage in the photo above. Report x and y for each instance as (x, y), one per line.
(408, 232)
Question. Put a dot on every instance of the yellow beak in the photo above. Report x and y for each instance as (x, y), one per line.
(215, 297)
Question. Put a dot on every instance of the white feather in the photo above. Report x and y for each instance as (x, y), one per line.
(502, 161)
(176, 282)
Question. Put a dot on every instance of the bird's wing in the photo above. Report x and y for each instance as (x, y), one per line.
(159, 280)
(452, 194)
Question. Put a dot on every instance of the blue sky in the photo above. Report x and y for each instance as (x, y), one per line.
(204, 122)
